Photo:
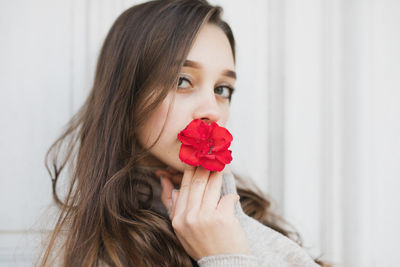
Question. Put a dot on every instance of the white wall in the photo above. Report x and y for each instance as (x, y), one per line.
(315, 115)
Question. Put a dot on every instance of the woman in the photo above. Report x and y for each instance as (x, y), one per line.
(163, 64)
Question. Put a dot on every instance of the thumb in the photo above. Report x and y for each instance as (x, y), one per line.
(227, 204)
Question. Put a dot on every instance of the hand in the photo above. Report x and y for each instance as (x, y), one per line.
(175, 177)
(203, 222)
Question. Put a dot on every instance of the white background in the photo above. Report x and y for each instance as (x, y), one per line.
(315, 116)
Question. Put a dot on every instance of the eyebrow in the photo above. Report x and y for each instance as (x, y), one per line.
(197, 65)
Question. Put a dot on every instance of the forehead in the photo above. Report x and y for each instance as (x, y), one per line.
(212, 49)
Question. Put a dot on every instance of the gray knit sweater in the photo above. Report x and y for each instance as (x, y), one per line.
(268, 247)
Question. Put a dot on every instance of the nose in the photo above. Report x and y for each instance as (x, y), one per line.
(207, 108)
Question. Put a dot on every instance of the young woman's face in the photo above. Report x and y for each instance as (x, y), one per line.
(203, 93)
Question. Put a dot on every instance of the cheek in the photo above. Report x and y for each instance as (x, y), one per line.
(178, 116)
(153, 126)
(174, 124)
(227, 117)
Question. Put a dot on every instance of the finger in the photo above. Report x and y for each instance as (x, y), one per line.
(174, 200)
(227, 204)
(166, 192)
(212, 193)
(197, 188)
(184, 189)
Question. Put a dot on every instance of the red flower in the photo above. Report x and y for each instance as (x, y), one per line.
(205, 145)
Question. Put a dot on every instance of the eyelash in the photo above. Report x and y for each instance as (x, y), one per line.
(231, 89)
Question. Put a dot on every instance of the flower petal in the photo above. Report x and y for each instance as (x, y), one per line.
(224, 156)
(197, 129)
(190, 141)
(212, 164)
(188, 155)
(205, 145)
(222, 138)
(208, 157)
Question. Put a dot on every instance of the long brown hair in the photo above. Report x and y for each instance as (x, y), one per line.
(106, 215)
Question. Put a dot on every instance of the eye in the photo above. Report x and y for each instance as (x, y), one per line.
(224, 91)
(182, 81)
